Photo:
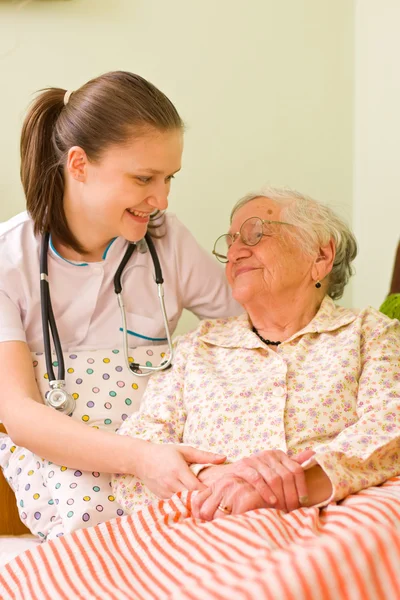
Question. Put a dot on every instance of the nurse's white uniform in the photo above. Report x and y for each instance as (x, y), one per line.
(82, 294)
(53, 500)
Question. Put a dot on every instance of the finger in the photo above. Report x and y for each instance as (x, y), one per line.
(303, 456)
(281, 480)
(224, 509)
(170, 488)
(254, 476)
(178, 487)
(289, 486)
(238, 498)
(299, 479)
(210, 506)
(190, 481)
(197, 502)
(193, 455)
(274, 482)
(246, 502)
(218, 491)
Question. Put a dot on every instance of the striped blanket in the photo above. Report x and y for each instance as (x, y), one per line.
(346, 551)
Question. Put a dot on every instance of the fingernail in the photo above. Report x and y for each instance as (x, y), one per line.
(273, 500)
(303, 500)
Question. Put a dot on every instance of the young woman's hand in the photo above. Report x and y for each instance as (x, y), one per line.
(228, 495)
(164, 469)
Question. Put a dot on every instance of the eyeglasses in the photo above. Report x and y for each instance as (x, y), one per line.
(251, 233)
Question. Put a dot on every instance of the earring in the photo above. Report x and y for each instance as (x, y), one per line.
(318, 285)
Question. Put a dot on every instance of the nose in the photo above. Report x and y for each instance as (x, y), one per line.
(159, 197)
(238, 250)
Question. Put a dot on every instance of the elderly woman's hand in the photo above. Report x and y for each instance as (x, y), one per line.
(225, 496)
(278, 479)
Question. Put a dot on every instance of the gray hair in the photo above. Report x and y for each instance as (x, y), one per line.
(316, 224)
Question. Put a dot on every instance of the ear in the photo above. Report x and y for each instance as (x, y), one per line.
(77, 161)
(323, 262)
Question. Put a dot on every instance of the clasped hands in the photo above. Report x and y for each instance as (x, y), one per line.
(268, 479)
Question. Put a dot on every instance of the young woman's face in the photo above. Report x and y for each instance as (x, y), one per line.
(116, 194)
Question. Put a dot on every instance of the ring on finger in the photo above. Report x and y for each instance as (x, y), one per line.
(225, 509)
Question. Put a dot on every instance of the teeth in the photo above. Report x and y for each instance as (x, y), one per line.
(138, 213)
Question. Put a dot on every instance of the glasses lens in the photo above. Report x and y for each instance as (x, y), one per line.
(251, 231)
(221, 248)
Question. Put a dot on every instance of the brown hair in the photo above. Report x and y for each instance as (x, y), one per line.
(105, 111)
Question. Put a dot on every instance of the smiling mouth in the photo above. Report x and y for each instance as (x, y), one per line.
(138, 216)
(138, 213)
(242, 271)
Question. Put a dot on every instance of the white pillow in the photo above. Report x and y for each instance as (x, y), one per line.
(52, 499)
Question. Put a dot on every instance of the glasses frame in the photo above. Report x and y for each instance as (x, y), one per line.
(234, 236)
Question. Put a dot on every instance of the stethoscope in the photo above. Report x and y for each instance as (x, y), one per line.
(58, 397)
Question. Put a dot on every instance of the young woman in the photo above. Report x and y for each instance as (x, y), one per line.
(97, 166)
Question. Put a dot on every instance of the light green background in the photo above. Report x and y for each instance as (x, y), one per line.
(266, 88)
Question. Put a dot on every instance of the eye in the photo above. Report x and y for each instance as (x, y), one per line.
(169, 178)
(143, 179)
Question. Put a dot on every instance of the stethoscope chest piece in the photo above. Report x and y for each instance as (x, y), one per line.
(59, 399)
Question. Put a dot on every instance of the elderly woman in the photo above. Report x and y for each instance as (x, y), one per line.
(301, 395)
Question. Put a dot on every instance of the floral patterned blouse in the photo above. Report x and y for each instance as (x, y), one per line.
(333, 387)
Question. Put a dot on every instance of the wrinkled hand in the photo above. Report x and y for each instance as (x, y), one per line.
(163, 468)
(229, 491)
(278, 479)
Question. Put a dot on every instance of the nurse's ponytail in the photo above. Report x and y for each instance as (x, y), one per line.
(105, 111)
(41, 164)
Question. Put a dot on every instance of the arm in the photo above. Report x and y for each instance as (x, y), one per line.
(203, 286)
(161, 419)
(48, 433)
(67, 442)
(41, 429)
(366, 453)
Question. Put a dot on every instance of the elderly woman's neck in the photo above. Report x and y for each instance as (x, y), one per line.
(278, 319)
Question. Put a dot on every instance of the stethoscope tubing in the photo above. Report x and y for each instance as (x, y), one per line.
(49, 325)
(48, 320)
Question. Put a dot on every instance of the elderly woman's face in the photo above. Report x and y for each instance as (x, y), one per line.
(274, 266)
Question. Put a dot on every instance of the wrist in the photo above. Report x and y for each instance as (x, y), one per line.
(319, 486)
(133, 453)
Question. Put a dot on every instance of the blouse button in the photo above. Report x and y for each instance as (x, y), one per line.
(278, 391)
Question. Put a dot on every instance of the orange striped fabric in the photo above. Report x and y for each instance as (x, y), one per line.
(350, 550)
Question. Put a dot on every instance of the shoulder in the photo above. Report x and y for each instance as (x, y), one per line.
(15, 225)
(367, 321)
(18, 243)
(18, 229)
(374, 322)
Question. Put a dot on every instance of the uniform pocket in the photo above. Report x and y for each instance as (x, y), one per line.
(143, 330)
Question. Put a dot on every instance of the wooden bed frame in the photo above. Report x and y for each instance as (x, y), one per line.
(395, 283)
(10, 523)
